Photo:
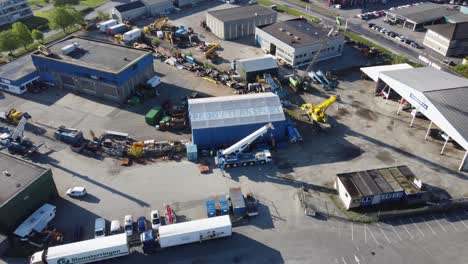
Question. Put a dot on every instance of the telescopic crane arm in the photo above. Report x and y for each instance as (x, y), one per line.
(244, 143)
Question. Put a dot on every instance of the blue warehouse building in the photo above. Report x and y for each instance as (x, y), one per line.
(93, 67)
(224, 120)
(380, 186)
(18, 75)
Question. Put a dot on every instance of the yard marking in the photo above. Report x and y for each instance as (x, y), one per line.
(343, 260)
(357, 259)
(461, 221)
(336, 260)
(381, 230)
(352, 232)
(394, 230)
(456, 229)
(432, 230)
(370, 231)
(403, 224)
(365, 233)
(422, 233)
(439, 223)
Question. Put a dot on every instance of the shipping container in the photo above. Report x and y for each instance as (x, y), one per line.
(194, 231)
(192, 152)
(117, 29)
(237, 202)
(153, 116)
(132, 35)
(104, 26)
(210, 208)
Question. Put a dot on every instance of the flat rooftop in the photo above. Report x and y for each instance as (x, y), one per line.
(18, 68)
(452, 31)
(423, 13)
(15, 175)
(129, 6)
(297, 32)
(100, 56)
(239, 13)
(379, 181)
(259, 63)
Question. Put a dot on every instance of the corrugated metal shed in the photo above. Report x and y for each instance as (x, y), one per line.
(258, 64)
(240, 13)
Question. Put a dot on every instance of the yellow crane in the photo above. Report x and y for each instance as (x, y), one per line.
(317, 112)
(156, 25)
(210, 53)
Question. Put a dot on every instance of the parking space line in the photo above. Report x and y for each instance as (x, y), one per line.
(422, 233)
(407, 231)
(461, 221)
(456, 229)
(365, 233)
(370, 231)
(432, 230)
(352, 232)
(381, 230)
(439, 223)
(344, 260)
(394, 230)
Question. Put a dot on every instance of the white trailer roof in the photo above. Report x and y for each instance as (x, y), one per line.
(258, 64)
(375, 71)
(34, 221)
(235, 110)
(87, 245)
(193, 226)
(440, 96)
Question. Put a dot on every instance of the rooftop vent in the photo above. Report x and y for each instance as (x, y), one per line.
(281, 29)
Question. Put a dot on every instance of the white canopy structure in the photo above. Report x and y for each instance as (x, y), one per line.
(442, 97)
(375, 71)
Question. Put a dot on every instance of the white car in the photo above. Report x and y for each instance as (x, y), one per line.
(76, 192)
(155, 220)
(128, 225)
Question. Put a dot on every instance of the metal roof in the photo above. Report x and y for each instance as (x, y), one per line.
(129, 6)
(35, 221)
(15, 175)
(452, 31)
(18, 68)
(379, 181)
(235, 110)
(258, 64)
(241, 13)
(423, 13)
(374, 71)
(457, 18)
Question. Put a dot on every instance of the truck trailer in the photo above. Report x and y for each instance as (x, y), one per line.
(84, 252)
(194, 231)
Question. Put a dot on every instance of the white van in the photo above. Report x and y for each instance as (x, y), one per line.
(128, 225)
(153, 82)
(115, 227)
(99, 228)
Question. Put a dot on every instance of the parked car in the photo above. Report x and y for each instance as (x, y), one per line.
(115, 227)
(414, 44)
(128, 225)
(99, 228)
(141, 224)
(155, 220)
(383, 30)
(76, 192)
(449, 63)
(252, 2)
(401, 38)
(370, 25)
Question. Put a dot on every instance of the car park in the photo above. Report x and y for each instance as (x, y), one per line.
(141, 224)
(155, 220)
(128, 225)
(77, 192)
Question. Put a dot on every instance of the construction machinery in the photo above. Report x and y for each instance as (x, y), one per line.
(317, 112)
(211, 52)
(158, 24)
(275, 86)
(234, 156)
(18, 143)
(13, 116)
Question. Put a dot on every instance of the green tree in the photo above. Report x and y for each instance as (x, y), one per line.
(22, 33)
(64, 17)
(102, 16)
(37, 35)
(8, 41)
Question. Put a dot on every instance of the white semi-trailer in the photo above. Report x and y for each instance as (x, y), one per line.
(84, 252)
(194, 231)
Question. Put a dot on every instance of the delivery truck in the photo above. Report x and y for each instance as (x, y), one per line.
(84, 252)
(194, 231)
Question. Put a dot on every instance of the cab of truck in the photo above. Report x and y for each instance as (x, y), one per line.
(99, 227)
(115, 227)
(128, 225)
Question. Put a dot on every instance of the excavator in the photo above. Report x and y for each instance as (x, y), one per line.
(210, 53)
(158, 24)
(317, 112)
(13, 116)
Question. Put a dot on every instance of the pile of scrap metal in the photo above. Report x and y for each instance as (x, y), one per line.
(158, 149)
(175, 117)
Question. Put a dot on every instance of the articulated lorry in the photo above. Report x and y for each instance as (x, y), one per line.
(84, 252)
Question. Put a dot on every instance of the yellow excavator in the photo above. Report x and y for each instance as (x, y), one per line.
(210, 53)
(317, 112)
(158, 24)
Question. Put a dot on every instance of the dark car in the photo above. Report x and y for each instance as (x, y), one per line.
(371, 25)
(414, 45)
(449, 63)
(141, 224)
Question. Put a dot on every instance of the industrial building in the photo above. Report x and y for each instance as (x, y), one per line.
(14, 10)
(419, 16)
(448, 39)
(296, 41)
(238, 22)
(129, 11)
(379, 187)
(158, 7)
(18, 75)
(249, 69)
(93, 67)
(24, 187)
(224, 120)
(440, 96)
(352, 3)
(183, 3)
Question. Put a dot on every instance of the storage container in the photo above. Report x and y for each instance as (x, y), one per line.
(153, 116)
(237, 202)
(192, 152)
(210, 208)
(223, 206)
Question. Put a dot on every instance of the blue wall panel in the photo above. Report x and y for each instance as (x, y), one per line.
(24, 79)
(221, 136)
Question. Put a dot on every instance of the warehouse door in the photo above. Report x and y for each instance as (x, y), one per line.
(272, 49)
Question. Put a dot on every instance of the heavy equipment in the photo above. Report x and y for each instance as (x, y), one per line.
(275, 85)
(158, 24)
(211, 53)
(13, 116)
(234, 156)
(317, 112)
(19, 144)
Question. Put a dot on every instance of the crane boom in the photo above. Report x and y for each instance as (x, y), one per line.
(245, 142)
(18, 133)
(317, 112)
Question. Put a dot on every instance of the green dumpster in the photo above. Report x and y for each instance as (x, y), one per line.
(153, 116)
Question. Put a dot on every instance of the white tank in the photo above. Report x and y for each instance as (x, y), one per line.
(132, 35)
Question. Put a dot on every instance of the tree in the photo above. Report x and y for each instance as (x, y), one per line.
(64, 17)
(102, 16)
(8, 41)
(22, 33)
(37, 35)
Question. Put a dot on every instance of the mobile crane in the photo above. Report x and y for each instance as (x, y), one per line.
(18, 143)
(234, 156)
(317, 112)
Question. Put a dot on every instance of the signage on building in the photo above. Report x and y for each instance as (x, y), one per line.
(421, 103)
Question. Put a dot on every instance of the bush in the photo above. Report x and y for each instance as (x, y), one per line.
(36, 22)
(65, 2)
(43, 27)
